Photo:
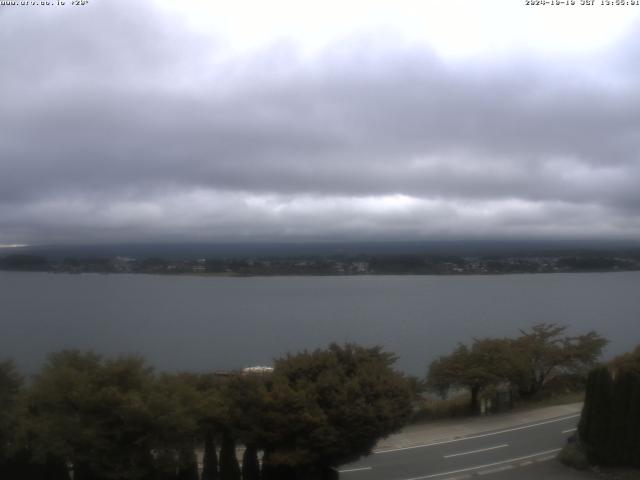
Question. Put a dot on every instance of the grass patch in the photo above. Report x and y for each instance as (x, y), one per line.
(550, 400)
(436, 409)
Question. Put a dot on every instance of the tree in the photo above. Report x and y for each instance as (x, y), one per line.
(543, 351)
(633, 425)
(229, 468)
(594, 427)
(486, 363)
(328, 407)
(174, 402)
(625, 445)
(10, 386)
(210, 458)
(630, 361)
(13, 459)
(621, 444)
(609, 428)
(250, 463)
(187, 464)
(246, 401)
(189, 410)
(212, 415)
(527, 362)
(94, 414)
(165, 464)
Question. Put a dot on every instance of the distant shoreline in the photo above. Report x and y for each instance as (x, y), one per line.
(335, 275)
(333, 265)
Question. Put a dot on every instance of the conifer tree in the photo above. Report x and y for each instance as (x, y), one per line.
(595, 426)
(166, 465)
(83, 471)
(634, 421)
(229, 468)
(210, 459)
(22, 465)
(585, 424)
(187, 464)
(10, 386)
(55, 469)
(250, 464)
(619, 447)
(628, 425)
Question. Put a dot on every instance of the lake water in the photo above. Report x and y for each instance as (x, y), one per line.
(211, 323)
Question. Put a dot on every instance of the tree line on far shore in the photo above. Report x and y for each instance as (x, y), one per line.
(115, 419)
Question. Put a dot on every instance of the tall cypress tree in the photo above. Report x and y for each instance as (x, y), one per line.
(229, 468)
(586, 419)
(619, 450)
(595, 425)
(82, 471)
(625, 436)
(210, 459)
(250, 464)
(187, 465)
(267, 471)
(55, 469)
(633, 426)
(22, 465)
(166, 465)
(278, 472)
(609, 428)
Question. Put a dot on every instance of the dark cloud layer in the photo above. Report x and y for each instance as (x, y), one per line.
(118, 124)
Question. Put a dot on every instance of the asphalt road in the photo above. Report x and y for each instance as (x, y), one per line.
(488, 453)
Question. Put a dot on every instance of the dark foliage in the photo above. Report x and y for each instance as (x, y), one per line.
(609, 428)
(595, 424)
(328, 407)
(187, 465)
(229, 468)
(250, 464)
(210, 459)
(115, 419)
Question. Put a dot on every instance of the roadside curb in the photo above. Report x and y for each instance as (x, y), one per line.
(415, 436)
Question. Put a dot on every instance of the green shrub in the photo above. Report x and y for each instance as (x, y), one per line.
(572, 456)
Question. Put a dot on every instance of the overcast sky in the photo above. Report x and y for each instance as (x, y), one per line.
(288, 120)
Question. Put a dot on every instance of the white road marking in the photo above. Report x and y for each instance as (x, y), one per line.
(354, 469)
(568, 430)
(495, 470)
(472, 437)
(476, 451)
(545, 459)
(488, 465)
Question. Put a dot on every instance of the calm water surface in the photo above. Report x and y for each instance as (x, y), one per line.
(204, 323)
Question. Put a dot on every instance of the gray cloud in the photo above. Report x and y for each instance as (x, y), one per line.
(116, 123)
